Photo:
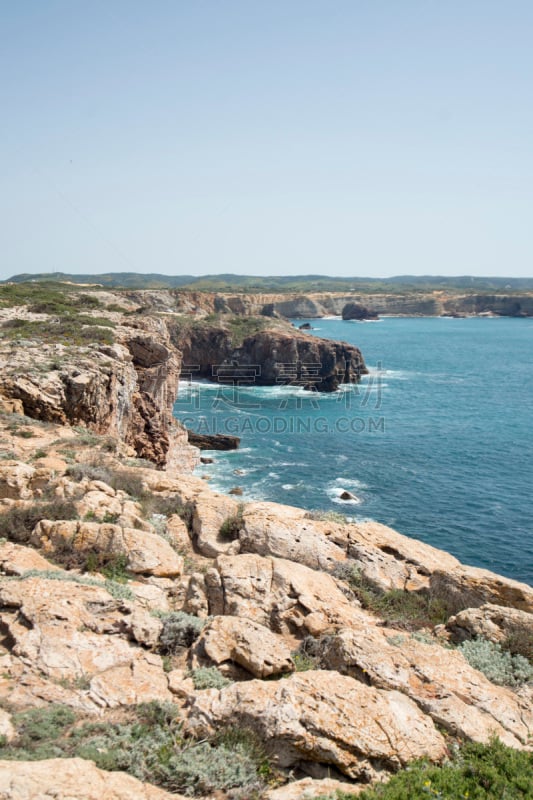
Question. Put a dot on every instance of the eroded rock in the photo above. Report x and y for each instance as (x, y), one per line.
(325, 717)
(246, 643)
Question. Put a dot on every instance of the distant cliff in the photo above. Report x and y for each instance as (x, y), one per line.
(267, 356)
(322, 304)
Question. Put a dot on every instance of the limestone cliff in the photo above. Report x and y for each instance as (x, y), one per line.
(126, 389)
(268, 357)
(320, 304)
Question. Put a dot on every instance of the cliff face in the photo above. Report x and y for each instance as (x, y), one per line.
(126, 390)
(271, 357)
(325, 303)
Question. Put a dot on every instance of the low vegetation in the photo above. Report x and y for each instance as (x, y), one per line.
(17, 522)
(230, 528)
(148, 744)
(179, 631)
(498, 665)
(474, 771)
(208, 678)
(399, 608)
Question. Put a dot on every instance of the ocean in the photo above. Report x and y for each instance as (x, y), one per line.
(435, 442)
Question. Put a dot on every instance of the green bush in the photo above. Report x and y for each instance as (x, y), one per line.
(399, 608)
(476, 771)
(179, 630)
(208, 678)
(230, 528)
(17, 522)
(498, 665)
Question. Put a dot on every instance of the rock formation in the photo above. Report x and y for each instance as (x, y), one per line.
(231, 634)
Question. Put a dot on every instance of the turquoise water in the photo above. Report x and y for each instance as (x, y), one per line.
(435, 442)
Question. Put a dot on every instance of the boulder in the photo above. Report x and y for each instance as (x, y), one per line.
(281, 595)
(468, 587)
(285, 532)
(439, 680)
(214, 441)
(308, 788)
(323, 717)
(491, 622)
(73, 633)
(7, 729)
(16, 480)
(15, 559)
(72, 779)
(246, 643)
(210, 513)
(147, 553)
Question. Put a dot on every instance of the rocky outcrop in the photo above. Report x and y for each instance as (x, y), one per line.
(323, 716)
(268, 357)
(144, 552)
(69, 778)
(358, 312)
(492, 622)
(439, 680)
(214, 441)
(242, 641)
(126, 390)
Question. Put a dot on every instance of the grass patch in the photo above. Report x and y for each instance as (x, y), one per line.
(64, 330)
(400, 609)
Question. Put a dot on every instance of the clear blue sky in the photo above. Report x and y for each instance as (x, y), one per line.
(346, 137)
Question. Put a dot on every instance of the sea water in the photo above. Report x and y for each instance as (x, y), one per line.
(435, 442)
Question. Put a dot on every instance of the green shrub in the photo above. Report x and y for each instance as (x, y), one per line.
(304, 662)
(17, 522)
(476, 771)
(112, 565)
(208, 678)
(149, 746)
(498, 665)
(80, 472)
(39, 724)
(231, 527)
(399, 608)
(202, 769)
(179, 630)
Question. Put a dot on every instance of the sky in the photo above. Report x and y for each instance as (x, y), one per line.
(267, 137)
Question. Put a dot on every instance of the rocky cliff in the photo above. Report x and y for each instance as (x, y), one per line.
(320, 304)
(186, 642)
(268, 357)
